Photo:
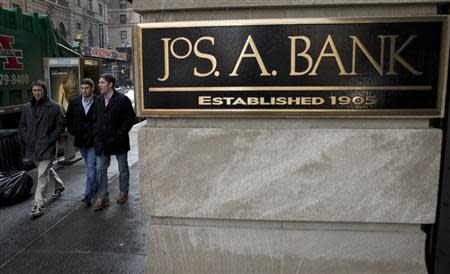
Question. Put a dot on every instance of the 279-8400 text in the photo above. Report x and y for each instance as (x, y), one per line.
(14, 79)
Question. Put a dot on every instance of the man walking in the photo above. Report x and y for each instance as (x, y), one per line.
(80, 123)
(41, 125)
(114, 117)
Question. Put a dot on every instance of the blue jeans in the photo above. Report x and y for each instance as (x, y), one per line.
(102, 173)
(91, 166)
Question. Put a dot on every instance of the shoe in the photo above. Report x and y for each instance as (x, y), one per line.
(87, 200)
(94, 188)
(57, 192)
(123, 197)
(33, 209)
(37, 211)
(101, 203)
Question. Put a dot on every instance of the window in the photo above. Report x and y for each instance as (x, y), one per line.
(16, 6)
(78, 26)
(91, 38)
(78, 3)
(90, 5)
(123, 19)
(101, 38)
(123, 4)
(100, 9)
(123, 35)
(62, 29)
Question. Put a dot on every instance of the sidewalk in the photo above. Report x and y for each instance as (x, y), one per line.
(70, 238)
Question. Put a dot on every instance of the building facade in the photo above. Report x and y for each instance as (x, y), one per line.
(121, 18)
(86, 19)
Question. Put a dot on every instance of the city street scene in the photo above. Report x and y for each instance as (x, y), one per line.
(224, 137)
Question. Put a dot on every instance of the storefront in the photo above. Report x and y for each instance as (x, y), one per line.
(113, 61)
(292, 136)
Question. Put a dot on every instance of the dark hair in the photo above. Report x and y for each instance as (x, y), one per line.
(40, 83)
(87, 81)
(109, 78)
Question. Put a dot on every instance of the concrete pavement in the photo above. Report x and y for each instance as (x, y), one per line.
(70, 238)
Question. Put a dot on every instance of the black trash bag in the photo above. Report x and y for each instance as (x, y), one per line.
(15, 186)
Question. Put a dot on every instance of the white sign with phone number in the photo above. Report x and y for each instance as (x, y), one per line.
(14, 79)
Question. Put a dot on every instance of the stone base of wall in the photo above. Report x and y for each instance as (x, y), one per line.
(182, 246)
(288, 200)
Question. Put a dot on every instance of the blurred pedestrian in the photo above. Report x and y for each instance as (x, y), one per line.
(41, 125)
(114, 118)
(80, 123)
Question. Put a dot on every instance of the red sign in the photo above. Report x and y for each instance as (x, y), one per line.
(10, 54)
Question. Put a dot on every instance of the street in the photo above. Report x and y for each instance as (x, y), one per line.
(71, 238)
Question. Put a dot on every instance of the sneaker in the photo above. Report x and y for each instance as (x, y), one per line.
(37, 211)
(33, 209)
(123, 197)
(57, 192)
(101, 203)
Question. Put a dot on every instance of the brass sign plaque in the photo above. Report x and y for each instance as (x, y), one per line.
(383, 67)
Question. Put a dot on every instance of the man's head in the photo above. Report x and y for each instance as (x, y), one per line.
(87, 87)
(39, 90)
(106, 83)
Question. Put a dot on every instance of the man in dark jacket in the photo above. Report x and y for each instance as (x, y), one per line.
(41, 125)
(114, 117)
(80, 123)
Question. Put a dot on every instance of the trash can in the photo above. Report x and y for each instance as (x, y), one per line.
(12, 150)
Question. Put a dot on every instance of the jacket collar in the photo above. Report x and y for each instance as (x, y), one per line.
(34, 102)
(113, 100)
(45, 104)
(94, 97)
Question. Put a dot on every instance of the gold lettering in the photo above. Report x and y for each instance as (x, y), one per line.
(254, 54)
(334, 54)
(306, 100)
(395, 54)
(377, 66)
(281, 101)
(189, 48)
(239, 101)
(166, 59)
(304, 54)
(204, 100)
(317, 100)
(262, 102)
(294, 100)
(210, 57)
(253, 101)
(217, 101)
(228, 100)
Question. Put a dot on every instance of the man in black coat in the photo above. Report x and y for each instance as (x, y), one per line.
(41, 125)
(114, 118)
(80, 123)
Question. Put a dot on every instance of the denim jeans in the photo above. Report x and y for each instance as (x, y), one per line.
(91, 170)
(102, 174)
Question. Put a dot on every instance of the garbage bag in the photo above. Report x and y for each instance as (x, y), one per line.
(15, 186)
